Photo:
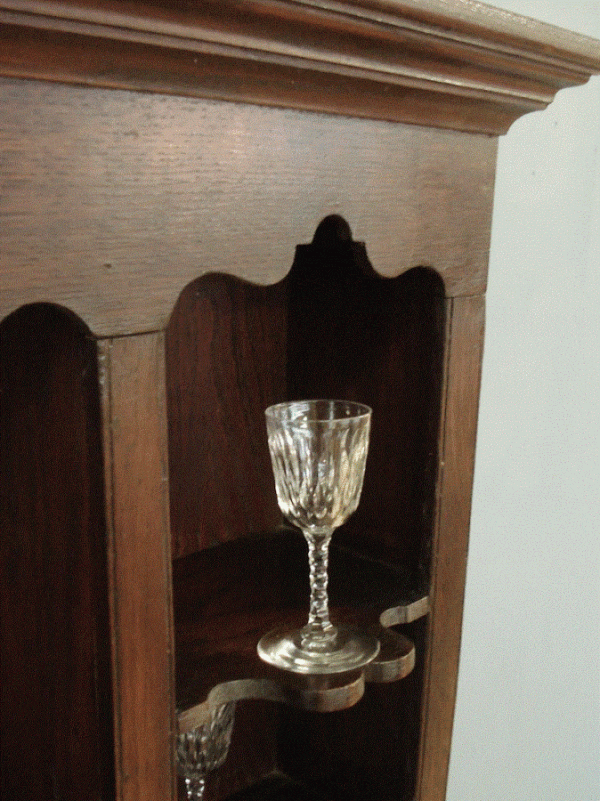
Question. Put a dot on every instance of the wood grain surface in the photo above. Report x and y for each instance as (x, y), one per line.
(226, 362)
(464, 350)
(368, 751)
(460, 65)
(136, 464)
(112, 202)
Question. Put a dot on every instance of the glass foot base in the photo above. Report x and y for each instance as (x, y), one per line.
(352, 649)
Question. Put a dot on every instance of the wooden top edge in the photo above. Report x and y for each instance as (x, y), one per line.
(496, 24)
(449, 18)
(445, 63)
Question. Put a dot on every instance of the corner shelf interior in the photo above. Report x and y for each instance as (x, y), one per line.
(331, 328)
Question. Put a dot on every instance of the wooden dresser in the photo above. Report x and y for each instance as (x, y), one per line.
(207, 208)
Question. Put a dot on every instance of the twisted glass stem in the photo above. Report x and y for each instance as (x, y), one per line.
(319, 633)
(194, 788)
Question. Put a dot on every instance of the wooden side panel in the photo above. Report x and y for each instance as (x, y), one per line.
(463, 370)
(56, 694)
(226, 348)
(133, 384)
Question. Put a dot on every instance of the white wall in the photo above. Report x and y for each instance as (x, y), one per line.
(527, 724)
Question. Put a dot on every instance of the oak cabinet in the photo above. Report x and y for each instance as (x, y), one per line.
(207, 209)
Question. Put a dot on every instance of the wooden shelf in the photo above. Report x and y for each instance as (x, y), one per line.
(227, 597)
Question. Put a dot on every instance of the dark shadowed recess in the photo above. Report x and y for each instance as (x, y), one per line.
(56, 700)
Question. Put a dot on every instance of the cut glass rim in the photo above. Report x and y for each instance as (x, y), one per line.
(319, 410)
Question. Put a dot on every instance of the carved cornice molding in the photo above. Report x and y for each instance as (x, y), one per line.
(445, 63)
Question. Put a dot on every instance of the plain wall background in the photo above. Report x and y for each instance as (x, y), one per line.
(527, 725)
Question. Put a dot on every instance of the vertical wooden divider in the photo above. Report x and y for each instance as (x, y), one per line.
(462, 372)
(132, 378)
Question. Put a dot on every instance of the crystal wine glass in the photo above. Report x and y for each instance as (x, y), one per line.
(204, 749)
(318, 451)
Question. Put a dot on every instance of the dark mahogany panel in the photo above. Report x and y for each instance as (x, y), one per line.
(56, 699)
(355, 335)
(225, 364)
